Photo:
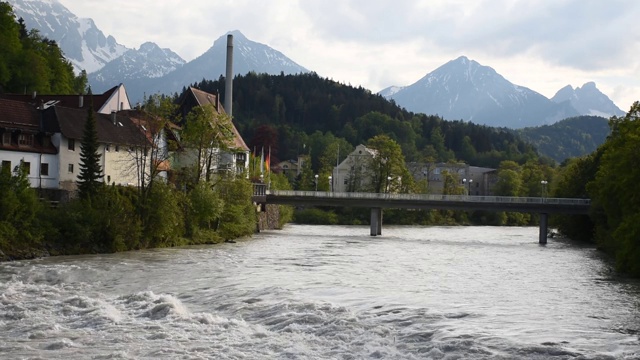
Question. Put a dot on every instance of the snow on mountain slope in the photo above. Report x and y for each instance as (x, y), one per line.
(84, 45)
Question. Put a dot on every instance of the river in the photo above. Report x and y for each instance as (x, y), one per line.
(326, 292)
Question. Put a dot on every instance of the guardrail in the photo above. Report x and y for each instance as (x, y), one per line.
(432, 197)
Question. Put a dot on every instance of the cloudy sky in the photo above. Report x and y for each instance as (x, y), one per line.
(541, 44)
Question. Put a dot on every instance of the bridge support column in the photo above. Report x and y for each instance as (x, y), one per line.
(376, 221)
(543, 229)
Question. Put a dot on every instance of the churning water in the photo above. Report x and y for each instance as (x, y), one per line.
(326, 292)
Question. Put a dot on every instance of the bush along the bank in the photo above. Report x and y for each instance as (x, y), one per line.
(116, 218)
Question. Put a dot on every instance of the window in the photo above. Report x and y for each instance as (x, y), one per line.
(107, 147)
(44, 169)
(6, 138)
(6, 163)
(26, 166)
(117, 148)
(25, 140)
(72, 145)
(70, 168)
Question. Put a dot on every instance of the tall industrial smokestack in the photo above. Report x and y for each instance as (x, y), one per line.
(228, 89)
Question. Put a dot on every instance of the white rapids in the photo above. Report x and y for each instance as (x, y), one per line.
(326, 292)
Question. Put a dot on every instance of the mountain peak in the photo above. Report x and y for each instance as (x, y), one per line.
(588, 100)
(236, 34)
(465, 89)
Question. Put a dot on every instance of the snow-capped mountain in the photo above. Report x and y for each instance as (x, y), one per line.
(388, 92)
(247, 56)
(462, 89)
(588, 100)
(150, 61)
(83, 44)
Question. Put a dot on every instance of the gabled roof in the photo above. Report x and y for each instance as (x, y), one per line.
(18, 115)
(69, 101)
(203, 98)
(111, 128)
(25, 118)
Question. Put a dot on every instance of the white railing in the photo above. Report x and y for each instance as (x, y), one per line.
(432, 197)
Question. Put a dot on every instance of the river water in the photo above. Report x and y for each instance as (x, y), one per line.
(326, 292)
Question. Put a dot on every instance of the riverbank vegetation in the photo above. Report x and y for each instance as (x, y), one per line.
(610, 177)
(116, 218)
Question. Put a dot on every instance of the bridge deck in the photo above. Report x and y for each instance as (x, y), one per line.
(426, 201)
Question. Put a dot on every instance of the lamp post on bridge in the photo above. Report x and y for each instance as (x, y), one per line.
(467, 185)
(330, 183)
(543, 184)
(316, 181)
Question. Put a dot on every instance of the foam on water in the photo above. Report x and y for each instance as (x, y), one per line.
(273, 308)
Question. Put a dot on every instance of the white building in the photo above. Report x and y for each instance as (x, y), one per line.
(44, 134)
(351, 174)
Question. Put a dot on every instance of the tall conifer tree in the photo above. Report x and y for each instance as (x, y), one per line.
(90, 169)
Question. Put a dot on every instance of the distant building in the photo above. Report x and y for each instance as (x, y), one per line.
(351, 174)
(476, 180)
(291, 168)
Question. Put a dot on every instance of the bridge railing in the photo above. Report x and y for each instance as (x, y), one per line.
(432, 197)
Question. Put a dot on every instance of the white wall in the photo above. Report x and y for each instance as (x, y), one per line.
(118, 101)
(35, 161)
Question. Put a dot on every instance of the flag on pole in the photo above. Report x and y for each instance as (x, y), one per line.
(268, 161)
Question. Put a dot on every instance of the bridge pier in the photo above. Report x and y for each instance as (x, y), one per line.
(543, 229)
(376, 221)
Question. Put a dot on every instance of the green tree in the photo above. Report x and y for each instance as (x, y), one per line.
(205, 208)
(20, 212)
(206, 135)
(614, 191)
(11, 46)
(572, 182)
(90, 169)
(239, 216)
(387, 170)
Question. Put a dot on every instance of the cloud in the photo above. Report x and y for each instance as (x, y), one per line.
(538, 44)
(587, 35)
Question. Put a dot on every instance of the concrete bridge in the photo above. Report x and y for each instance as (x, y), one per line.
(378, 201)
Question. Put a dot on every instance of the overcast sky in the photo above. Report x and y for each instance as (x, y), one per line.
(541, 44)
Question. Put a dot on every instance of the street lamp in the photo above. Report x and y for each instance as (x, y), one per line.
(544, 183)
(467, 185)
(330, 183)
(316, 176)
(388, 182)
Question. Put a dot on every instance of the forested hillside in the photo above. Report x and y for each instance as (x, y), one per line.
(569, 138)
(31, 63)
(289, 109)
